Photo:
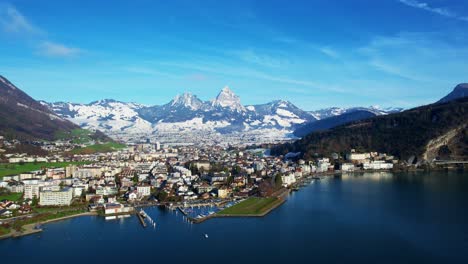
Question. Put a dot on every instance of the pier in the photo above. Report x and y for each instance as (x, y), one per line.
(142, 220)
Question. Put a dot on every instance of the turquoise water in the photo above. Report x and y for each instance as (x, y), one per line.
(375, 217)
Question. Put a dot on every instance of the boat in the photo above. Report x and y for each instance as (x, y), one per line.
(206, 235)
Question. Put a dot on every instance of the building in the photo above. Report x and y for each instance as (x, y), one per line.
(107, 190)
(15, 187)
(288, 179)
(204, 188)
(377, 165)
(116, 208)
(144, 190)
(323, 164)
(223, 192)
(357, 156)
(347, 167)
(31, 188)
(61, 197)
(202, 165)
(86, 172)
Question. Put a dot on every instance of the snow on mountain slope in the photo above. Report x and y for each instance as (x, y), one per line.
(226, 99)
(186, 113)
(107, 115)
(336, 111)
(187, 100)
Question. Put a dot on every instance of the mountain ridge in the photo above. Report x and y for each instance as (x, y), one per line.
(25, 119)
(224, 114)
(428, 132)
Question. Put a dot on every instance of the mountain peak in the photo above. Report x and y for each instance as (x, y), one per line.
(228, 99)
(461, 86)
(187, 100)
(227, 90)
(460, 91)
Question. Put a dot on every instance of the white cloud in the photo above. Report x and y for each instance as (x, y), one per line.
(52, 49)
(420, 57)
(260, 59)
(437, 10)
(250, 73)
(12, 21)
(149, 71)
(329, 52)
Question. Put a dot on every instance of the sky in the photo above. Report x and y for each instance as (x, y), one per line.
(314, 53)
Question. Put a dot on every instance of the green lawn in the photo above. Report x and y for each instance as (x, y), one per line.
(105, 147)
(4, 230)
(11, 197)
(251, 206)
(45, 217)
(77, 136)
(13, 169)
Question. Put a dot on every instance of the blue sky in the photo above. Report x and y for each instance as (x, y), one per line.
(315, 53)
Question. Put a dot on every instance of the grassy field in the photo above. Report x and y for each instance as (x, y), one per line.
(14, 169)
(11, 197)
(17, 225)
(106, 147)
(77, 136)
(4, 231)
(252, 206)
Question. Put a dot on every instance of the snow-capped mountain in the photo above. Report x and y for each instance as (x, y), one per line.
(185, 113)
(336, 111)
(226, 99)
(187, 100)
(110, 116)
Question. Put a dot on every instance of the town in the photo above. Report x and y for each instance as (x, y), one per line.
(114, 184)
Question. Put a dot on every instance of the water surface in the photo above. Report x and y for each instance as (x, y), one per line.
(362, 218)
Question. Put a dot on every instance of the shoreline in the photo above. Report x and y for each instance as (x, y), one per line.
(281, 199)
(29, 229)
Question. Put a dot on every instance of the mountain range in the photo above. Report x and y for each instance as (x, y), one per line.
(435, 131)
(426, 131)
(186, 112)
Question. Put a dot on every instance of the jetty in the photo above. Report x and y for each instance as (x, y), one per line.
(142, 220)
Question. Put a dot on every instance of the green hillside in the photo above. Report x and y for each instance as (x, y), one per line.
(402, 134)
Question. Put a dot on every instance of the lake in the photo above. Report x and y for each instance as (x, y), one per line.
(360, 218)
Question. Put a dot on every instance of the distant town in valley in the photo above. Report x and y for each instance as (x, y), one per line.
(322, 131)
(80, 171)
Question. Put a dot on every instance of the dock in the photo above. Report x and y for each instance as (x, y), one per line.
(142, 221)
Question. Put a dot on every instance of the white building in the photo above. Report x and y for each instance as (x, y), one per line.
(144, 190)
(288, 179)
(357, 156)
(106, 190)
(377, 165)
(63, 197)
(323, 164)
(347, 167)
(31, 188)
(116, 208)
